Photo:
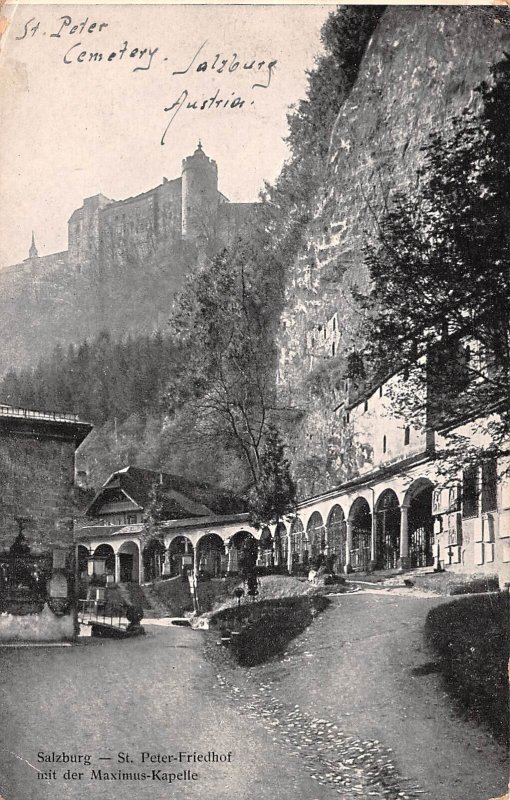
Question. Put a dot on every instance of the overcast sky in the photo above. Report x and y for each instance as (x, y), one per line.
(71, 130)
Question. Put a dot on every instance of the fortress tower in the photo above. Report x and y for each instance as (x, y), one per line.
(200, 196)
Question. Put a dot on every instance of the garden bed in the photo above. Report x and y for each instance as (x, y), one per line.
(256, 632)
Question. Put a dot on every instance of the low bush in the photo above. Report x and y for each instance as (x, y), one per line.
(265, 628)
(471, 636)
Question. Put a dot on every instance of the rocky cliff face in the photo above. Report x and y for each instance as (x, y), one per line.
(419, 69)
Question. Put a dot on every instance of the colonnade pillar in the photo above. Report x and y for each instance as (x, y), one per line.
(117, 568)
(230, 552)
(405, 561)
(348, 546)
(140, 564)
(373, 541)
(289, 553)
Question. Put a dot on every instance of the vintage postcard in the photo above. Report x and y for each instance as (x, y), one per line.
(254, 393)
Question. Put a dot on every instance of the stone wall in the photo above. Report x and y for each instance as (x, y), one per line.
(36, 525)
(141, 228)
(36, 476)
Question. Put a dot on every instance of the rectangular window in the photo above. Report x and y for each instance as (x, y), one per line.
(407, 435)
(470, 492)
(131, 519)
(489, 485)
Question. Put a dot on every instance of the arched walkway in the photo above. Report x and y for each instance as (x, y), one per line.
(129, 563)
(387, 520)
(420, 522)
(104, 560)
(360, 520)
(336, 531)
(153, 558)
(180, 555)
(316, 538)
(236, 543)
(298, 552)
(212, 559)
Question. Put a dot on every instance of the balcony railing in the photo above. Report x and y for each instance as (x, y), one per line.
(27, 413)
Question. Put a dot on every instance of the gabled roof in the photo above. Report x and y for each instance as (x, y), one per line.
(180, 498)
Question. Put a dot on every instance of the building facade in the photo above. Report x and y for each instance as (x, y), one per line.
(37, 451)
(401, 511)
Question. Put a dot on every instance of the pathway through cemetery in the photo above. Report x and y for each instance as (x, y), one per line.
(342, 714)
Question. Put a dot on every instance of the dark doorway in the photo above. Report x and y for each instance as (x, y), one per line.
(420, 525)
(388, 530)
(361, 520)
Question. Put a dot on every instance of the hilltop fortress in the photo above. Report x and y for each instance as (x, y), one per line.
(125, 261)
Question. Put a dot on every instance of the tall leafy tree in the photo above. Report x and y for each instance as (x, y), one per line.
(223, 322)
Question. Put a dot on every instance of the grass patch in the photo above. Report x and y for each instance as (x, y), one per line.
(263, 629)
(471, 637)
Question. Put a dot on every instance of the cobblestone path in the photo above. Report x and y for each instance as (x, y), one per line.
(350, 698)
(348, 765)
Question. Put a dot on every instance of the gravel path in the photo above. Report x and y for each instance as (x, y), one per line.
(353, 699)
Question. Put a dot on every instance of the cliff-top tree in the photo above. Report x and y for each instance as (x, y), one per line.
(441, 269)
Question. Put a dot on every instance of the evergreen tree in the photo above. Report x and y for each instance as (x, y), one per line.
(273, 498)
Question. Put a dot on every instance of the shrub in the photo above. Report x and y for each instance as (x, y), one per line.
(268, 626)
(471, 637)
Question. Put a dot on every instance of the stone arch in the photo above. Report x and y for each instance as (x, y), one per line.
(237, 541)
(387, 522)
(128, 555)
(420, 522)
(153, 555)
(299, 553)
(211, 556)
(82, 560)
(316, 537)
(360, 520)
(336, 532)
(105, 551)
(180, 555)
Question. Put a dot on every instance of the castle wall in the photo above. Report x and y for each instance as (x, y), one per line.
(83, 233)
(136, 229)
(126, 261)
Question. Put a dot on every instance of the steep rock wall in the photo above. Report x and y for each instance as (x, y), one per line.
(420, 69)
